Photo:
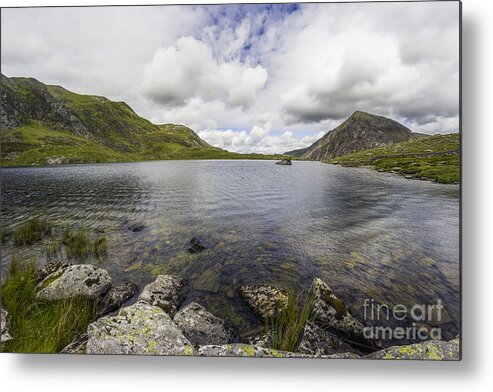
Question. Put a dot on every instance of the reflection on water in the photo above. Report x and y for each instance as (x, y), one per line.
(368, 234)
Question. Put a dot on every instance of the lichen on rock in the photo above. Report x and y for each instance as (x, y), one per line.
(140, 329)
(434, 350)
(242, 350)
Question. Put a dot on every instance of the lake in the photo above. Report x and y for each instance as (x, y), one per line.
(367, 234)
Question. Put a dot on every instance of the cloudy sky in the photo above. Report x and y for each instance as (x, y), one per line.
(250, 78)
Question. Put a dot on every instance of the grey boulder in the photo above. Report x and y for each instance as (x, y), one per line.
(265, 300)
(200, 326)
(140, 329)
(83, 279)
(317, 341)
(116, 296)
(332, 313)
(167, 292)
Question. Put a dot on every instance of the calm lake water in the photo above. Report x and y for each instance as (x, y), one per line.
(367, 234)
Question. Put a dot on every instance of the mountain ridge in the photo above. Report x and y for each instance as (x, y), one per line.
(360, 131)
(47, 124)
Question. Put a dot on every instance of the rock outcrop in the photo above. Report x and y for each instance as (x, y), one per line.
(331, 313)
(166, 292)
(200, 326)
(317, 341)
(264, 300)
(76, 280)
(435, 350)
(140, 329)
(116, 296)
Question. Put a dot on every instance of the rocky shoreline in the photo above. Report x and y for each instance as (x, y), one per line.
(161, 323)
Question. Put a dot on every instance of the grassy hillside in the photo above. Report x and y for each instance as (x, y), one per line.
(436, 158)
(43, 124)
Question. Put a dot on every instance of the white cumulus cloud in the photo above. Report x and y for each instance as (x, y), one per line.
(189, 70)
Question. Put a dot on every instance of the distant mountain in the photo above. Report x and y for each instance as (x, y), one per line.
(44, 124)
(361, 131)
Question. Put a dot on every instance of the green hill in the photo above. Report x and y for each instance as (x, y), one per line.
(436, 158)
(43, 124)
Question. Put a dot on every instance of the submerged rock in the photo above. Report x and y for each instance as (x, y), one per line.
(195, 246)
(5, 321)
(136, 227)
(167, 292)
(140, 329)
(284, 161)
(200, 326)
(51, 268)
(209, 280)
(78, 345)
(82, 279)
(332, 313)
(116, 296)
(265, 300)
(317, 341)
(430, 350)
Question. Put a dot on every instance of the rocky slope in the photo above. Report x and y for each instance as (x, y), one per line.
(44, 124)
(361, 131)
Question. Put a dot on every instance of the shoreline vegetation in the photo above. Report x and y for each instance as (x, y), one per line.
(76, 309)
(435, 158)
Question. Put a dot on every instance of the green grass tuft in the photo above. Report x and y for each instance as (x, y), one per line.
(53, 249)
(100, 246)
(286, 328)
(31, 231)
(41, 326)
(79, 244)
